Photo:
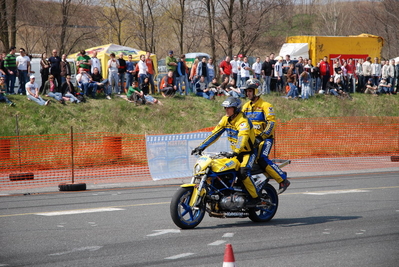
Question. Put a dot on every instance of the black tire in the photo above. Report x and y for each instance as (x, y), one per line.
(21, 176)
(182, 214)
(72, 187)
(265, 214)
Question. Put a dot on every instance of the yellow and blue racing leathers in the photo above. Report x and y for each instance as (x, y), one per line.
(241, 136)
(262, 116)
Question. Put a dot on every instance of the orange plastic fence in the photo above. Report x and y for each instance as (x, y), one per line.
(111, 157)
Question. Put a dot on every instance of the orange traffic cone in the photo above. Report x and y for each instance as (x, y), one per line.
(228, 260)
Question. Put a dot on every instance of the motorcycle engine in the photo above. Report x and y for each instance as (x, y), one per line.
(232, 203)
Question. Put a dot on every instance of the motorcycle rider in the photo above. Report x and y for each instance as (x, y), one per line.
(241, 135)
(261, 114)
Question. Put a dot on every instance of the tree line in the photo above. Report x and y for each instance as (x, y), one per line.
(217, 27)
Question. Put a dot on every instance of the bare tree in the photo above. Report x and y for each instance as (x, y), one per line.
(8, 23)
(4, 33)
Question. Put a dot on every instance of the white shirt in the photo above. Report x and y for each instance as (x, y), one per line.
(31, 88)
(142, 67)
(257, 67)
(113, 65)
(244, 72)
(22, 62)
(278, 69)
(95, 63)
(82, 78)
(376, 69)
(234, 64)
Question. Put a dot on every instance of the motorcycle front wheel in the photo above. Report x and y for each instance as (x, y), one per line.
(265, 214)
(181, 212)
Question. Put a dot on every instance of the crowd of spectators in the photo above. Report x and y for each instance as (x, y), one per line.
(293, 78)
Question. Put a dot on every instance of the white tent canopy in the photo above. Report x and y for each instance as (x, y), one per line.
(295, 50)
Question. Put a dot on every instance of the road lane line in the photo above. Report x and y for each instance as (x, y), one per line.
(228, 235)
(71, 212)
(217, 243)
(179, 256)
(121, 206)
(334, 192)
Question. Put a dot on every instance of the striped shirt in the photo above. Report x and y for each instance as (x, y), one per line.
(10, 61)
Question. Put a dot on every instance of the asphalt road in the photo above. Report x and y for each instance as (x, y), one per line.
(345, 220)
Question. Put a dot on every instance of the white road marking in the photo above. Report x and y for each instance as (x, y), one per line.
(179, 256)
(92, 248)
(165, 231)
(228, 235)
(217, 243)
(321, 193)
(70, 212)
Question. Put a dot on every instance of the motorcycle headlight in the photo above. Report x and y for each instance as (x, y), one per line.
(197, 168)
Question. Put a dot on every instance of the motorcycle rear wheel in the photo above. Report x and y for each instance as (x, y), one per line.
(265, 214)
(181, 212)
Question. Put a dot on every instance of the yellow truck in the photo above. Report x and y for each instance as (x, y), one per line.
(342, 47)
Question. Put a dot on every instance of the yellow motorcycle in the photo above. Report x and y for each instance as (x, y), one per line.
(215, 189)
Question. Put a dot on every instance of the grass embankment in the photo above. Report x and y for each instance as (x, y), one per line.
(177, 115)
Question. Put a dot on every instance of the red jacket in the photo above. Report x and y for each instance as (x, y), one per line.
(226, 67)
(324, 68)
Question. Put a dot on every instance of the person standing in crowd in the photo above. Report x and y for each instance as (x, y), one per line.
(239, 62)
(291, 80)
(193, 74)
(150, 71)
(113, 65)
(376, 71)
(32, 91)
(121, 73)
(65, 68)
(211, 69)
(267, 75)
(182, 75)
(10, 63)
(391, 75)
(351, 75)
(367, 70)
(171, 64)
(142, 69)
(95, 63)
(360, 76)
(202, 69)
(278, 73)
(55, 66)
(257, 68)
(84, 61)
(225, 68)
(24, 68)
(325, 71)
(44, 70)
(245, 71)
(286, 66)
(130, 71)
(3, 70)
(234, 68)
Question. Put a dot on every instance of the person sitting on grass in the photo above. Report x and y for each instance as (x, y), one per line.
(68, 90)
(168, 87)
(370, 87)
(145, 87)
(202, 90)
(50, 89)
(232, 90)
(32, 91)
(135, 94)
(86, 82)
(384, 87)
(3, 89)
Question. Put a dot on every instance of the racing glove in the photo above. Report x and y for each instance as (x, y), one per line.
(197, 151)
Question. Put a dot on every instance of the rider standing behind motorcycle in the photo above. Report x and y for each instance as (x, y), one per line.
(241, 136)
(261, 114)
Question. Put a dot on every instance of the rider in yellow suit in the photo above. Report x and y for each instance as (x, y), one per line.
(241, 135)
(261, 114)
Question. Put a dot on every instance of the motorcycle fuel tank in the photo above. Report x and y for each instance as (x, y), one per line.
(222, 165)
